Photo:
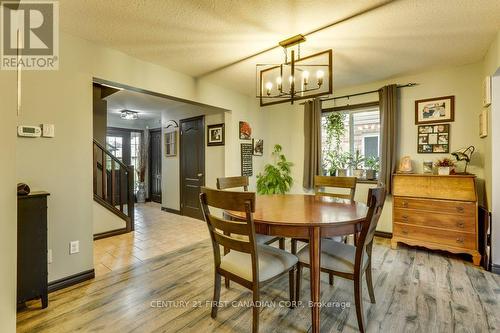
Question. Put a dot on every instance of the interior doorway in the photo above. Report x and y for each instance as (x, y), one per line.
(155, 165)
(192, 165)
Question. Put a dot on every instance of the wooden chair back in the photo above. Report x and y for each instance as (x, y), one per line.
(376, 200)
(223, 183)
(322, 182)
(222, 231)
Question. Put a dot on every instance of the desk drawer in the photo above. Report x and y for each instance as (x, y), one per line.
(439, 206)
(431, 219)
(451, 238)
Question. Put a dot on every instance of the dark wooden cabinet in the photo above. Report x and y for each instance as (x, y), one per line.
(32, 248)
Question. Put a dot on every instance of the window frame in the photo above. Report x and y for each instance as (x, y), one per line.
(351, 109)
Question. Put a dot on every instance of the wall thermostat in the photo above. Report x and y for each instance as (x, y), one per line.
(29, 131)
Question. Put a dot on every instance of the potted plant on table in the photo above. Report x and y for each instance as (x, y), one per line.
(444, 166)
(357, 164)
(372, 165)
(276, 178)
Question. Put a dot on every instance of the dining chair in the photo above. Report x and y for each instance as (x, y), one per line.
(248, 263)
(224, 183)
(321, 183)
(350, 261)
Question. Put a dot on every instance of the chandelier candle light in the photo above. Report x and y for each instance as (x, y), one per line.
(308, 77)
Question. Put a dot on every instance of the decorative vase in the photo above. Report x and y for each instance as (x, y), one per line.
(371, 174)
(141, 193)
(358, 173)
(341, 172)
(444, 171)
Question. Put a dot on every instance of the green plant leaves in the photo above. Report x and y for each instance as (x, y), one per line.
(276, 178)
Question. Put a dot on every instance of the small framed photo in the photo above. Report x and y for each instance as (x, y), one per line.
(427, 166)
(433, 139)
(435, 110)
(258, 147)
(487, 91)
(245, 131)
(215, 135)
(483, 124)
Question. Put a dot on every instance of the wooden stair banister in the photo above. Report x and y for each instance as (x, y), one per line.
(114, 187)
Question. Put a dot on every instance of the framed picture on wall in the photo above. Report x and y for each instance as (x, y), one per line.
(215, 135)
(433, 139)
(435, 110)
(483, 124)
(245, 131)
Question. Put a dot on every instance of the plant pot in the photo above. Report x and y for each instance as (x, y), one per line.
(371, 174)
(141, 193)
(358, 173)
(443, 171)
(341, 172)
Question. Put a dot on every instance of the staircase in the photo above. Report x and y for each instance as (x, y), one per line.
(113, 187)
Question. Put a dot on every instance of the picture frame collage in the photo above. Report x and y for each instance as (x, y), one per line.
(433, 116)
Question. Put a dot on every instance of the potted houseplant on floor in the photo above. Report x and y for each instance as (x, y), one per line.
(357, 164)
(276, 178)
(444, 166)
(372, 166)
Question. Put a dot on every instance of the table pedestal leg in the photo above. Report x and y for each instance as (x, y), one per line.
(315, 269)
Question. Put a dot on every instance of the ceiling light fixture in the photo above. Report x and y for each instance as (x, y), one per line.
(129, 115)
(308, 77)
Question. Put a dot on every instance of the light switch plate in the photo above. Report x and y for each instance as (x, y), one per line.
(48, 130)
(49, 256)
(74, 247)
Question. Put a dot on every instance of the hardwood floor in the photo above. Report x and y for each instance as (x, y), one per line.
(156, 233)
(416, 291)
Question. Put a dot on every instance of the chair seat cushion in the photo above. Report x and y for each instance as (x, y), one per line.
(265, 239)
(335, 256)
(272, 262)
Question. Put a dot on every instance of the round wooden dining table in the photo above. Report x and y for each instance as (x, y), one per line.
(309, 217)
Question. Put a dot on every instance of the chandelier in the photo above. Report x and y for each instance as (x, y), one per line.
(295, 78)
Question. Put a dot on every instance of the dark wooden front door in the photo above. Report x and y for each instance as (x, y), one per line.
(192, 155)
(155, 165)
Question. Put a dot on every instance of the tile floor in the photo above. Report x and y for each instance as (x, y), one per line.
(156, 233)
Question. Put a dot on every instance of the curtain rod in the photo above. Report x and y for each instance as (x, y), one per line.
(411, 84)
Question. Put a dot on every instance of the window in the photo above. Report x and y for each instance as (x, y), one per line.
(115, 146)
(135, 151)
(346, 132)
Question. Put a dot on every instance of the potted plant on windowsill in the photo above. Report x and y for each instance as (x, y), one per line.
(342, 161)
(357, 164)
(444, 166)
(276, 178)
(372, 167)
(330, 163)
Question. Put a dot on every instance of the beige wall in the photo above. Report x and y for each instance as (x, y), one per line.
(62, 165)
(284, 123)
(8, 202)
(491, 67)
(104, 220)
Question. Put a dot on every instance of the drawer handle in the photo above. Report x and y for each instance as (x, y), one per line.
(460, 209)
(405, 204)
(461, 224)
(460, 240)
(405, 217)
(404, 232)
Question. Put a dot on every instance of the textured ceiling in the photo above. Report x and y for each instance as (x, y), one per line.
(196, 37)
